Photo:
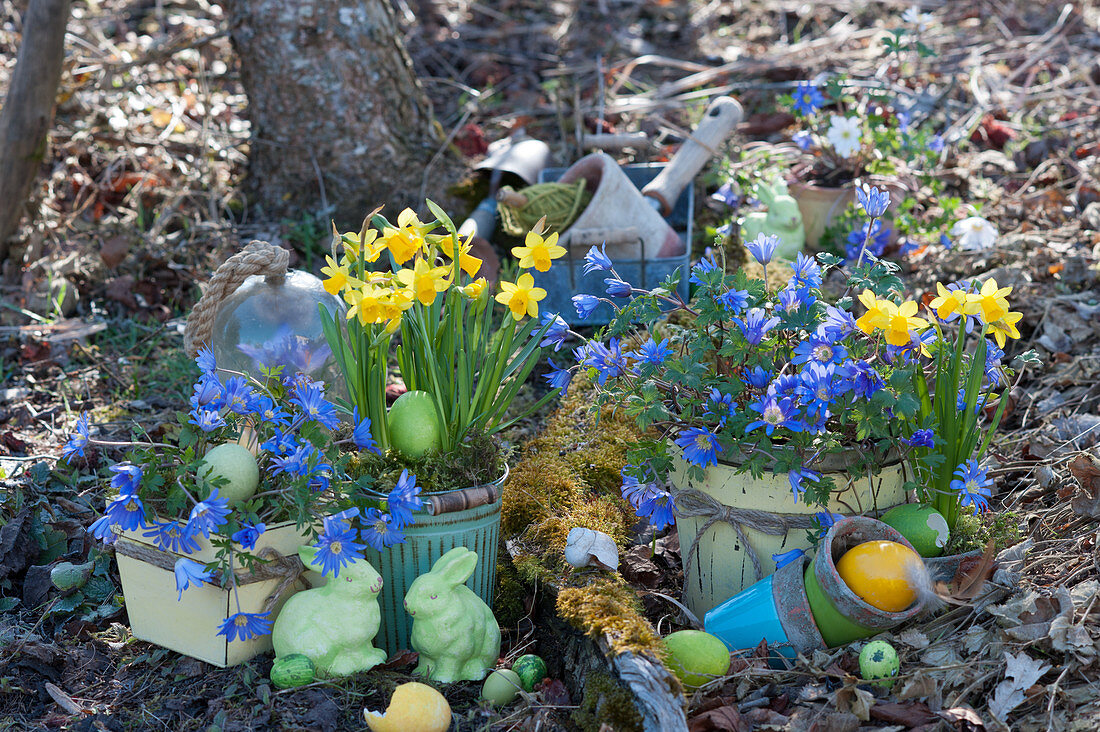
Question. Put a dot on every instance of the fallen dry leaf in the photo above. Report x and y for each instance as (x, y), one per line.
(911, 714)
(1087, 471)
(962, 719)
(855, 700)
(722, 719)
(1021, 674)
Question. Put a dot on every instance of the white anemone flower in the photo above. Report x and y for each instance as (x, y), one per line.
(913, 16)
(844, 135)
(975, 233)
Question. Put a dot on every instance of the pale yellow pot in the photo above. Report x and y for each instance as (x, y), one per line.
(190, 625)
(723, 568)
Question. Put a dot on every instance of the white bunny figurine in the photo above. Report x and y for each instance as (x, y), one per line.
(783, 219)
(454, 631)
(333, 625)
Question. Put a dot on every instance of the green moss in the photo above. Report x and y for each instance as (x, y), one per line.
(479, 459)
(609, 608)
(511, 592)
(974, 532)
(606, 702)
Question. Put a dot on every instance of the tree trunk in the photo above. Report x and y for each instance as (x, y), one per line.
(339, 119)
(28, 110)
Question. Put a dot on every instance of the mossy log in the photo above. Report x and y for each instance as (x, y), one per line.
(628, 690)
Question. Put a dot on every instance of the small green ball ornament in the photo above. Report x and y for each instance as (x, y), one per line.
(696, 657)
(294, 669)
(878, 662)
(237, 465)
(923, 526)
(501, 687)
(531, 670)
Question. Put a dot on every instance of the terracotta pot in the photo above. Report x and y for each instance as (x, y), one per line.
(819, 206)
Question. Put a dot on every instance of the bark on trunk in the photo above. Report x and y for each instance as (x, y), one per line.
(338, 117)
(28, 110)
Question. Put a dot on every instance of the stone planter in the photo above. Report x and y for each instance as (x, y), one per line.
(721, 561)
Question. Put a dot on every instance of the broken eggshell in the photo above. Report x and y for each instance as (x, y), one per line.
(587, 547)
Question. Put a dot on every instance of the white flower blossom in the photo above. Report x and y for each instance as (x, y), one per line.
(913, 16)
(975, 233)
(844, 135)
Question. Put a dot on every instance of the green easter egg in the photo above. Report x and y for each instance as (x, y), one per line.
(923, 526)
(878, 662)
(696, 657)
(294, 669)
(501, 687)
(531, 670)
(413, 424)
(237, 465)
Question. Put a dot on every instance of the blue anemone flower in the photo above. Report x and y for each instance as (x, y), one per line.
(935, 144)
(807, 272)
(607, 360)
(756, 325)
(559, 377)
(782, 560)
(774, 412)
(310, 398)
(617, 287)
(973, 486)
(189, 572)
(921, 438)
(873, 200)
(803, 139)
(652, 352)
(102, 529)
(206, 420)
(700, 446)
(269, 411)
(597, 260)
(585, 305)
(733, 301)
(127, 512)
(719, 405)
(793, 298)
(361, 436)
(825, 520)
(807, 98)
(208, 515)
(797, 477)
(127, 478)
(238, 395)
(726, 194)
(205, 360)
(245, 626)
(819, 350)
(556, 333)
(649, 501)
(757, 377)
(248, 535)
(763, 247)
(379, 530)
(336, 547)
(838, 324)
(403, 500)
(208, 392)
(169, 536)
(818, 388)
(78, 440)
(702, 267)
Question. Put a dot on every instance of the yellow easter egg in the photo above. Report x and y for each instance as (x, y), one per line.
(413, 708)
(881, 573)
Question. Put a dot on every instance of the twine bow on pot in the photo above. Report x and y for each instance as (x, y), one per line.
(692, 503)
(258, 258)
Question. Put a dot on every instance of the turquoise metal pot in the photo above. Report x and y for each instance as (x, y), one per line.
(774, 610)
(432, 536)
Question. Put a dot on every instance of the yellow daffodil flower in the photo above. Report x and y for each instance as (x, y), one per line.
(901, 321)
(474, 289)
(366, 304)
(877, 315)
(424, 281)
(539, 252)
(948, 302)
(991, 301)
(521, 297)
(407, 239)
(1006, 326)
(338, 277)
(467, 262)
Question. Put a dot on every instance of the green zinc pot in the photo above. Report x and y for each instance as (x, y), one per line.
(432, 536)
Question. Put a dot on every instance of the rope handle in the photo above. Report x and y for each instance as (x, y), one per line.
(258, 258)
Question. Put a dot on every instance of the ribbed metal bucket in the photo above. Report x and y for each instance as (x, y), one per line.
(477, 529)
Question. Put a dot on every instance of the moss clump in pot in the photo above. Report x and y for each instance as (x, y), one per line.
(974, 532)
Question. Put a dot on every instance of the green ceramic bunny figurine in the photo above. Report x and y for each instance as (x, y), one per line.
(453, 630)
(782, 219)
(334, 625)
